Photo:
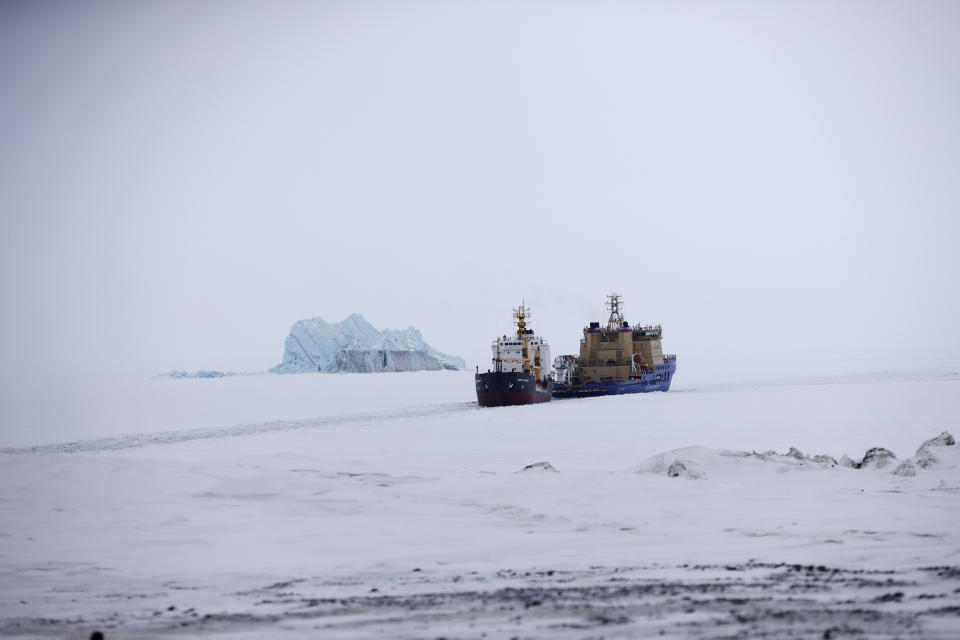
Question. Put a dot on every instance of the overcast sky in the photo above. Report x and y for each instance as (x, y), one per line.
(181, 181)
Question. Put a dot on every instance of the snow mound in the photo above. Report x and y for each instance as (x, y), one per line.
(354, 345)
(906, 469)
(540, 466)
(694, 462)
(936, 451)
(877, 458)
(677, 469)
(926, 454)
(847, 461)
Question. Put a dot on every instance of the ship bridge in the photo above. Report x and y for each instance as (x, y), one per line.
(619, 351)
(523, 351)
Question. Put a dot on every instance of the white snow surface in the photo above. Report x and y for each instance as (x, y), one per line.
(203, 492)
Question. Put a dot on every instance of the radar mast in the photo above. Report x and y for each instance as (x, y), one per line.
(520, 315)
(615, 305)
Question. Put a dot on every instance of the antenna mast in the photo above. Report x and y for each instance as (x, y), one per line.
(520, 315)
(615, 305)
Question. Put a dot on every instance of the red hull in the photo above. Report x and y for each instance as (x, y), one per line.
(510, 398)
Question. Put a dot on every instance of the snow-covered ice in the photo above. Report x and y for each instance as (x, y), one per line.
(393, 506)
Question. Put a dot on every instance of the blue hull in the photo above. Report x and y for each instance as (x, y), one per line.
(657, 380)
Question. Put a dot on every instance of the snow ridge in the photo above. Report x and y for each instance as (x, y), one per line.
(694, 462)
(354, 345)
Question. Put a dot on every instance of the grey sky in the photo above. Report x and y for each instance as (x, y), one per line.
(181, 181)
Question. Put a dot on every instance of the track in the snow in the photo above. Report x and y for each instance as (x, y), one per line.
(133, 441)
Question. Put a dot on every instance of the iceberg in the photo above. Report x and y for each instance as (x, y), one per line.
(355, 346)
(177, 374)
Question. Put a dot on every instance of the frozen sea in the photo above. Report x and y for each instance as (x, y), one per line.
(392, 506)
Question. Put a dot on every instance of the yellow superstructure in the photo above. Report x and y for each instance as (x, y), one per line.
(618, 351)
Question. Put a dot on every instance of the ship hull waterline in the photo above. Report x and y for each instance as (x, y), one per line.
(657, 380)
(501, 389)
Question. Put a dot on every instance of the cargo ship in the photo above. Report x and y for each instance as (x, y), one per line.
(615, 359)
(518, 375)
